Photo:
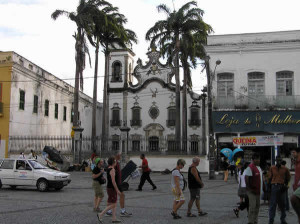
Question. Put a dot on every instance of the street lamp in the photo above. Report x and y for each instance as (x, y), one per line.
(125, 129)
(211, 139)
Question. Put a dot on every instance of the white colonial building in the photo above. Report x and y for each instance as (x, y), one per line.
(256, 94)
(36, 106)
(143, 98)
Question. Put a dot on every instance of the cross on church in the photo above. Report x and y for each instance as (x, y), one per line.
(172, 97)
(136, 98)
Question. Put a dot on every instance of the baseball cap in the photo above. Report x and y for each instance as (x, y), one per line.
(97, 160)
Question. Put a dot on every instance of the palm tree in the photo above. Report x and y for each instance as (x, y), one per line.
(170, 34)
(107, 32)
(82, 18)
(111, 35)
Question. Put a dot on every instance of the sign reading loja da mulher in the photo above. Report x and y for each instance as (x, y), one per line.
(253, 121)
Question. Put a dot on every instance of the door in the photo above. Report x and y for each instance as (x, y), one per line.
(7, 172)
(153, 143)
(23, 173)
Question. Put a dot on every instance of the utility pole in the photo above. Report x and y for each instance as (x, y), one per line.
(211, 140)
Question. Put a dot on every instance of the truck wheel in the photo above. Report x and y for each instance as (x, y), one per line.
(42, 185)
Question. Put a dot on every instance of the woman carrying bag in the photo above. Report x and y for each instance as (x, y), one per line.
(178, 185)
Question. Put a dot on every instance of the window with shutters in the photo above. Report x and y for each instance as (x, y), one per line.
(46, 108)
(56, 111)
(136, 116)
(22, 100)
(171, 116)
(35, 104)
(65, 113)
(284, 83)
(194, 114)
(116, 72)
(225, 84)
(115, 121)
(256, 83)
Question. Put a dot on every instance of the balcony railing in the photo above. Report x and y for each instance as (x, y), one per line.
(171, 123)
(1, 109)
(135, 122)
(195, 122)
(257, 102)
(115, 123)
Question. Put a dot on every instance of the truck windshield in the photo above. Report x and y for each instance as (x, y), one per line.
(36, 165)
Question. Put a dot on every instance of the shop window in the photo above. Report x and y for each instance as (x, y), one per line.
(256, 83)
(22, 100)
(35, 104)
(225, 85)
(284, 83)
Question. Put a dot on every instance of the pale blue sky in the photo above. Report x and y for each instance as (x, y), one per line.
(27, 28)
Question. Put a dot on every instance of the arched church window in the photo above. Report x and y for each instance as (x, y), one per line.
(117, 72)
(194, 115)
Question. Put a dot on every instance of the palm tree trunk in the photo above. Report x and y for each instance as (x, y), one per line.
(105, 115)
(184, 112)
(94, 145)
(78, 48)
(178, 118)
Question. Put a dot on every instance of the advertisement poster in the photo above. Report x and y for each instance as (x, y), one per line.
(268, 140)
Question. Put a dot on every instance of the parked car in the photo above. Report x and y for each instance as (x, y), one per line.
(29, 172)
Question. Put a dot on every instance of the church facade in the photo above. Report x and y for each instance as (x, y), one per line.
(142, 98)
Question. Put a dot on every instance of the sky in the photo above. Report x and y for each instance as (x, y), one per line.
(26, 28)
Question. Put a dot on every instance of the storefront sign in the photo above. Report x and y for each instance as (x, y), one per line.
(269, 140)
(251, 121)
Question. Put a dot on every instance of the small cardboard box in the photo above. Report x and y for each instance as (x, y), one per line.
(88, 169)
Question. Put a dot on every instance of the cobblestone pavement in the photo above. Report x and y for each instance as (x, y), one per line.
(74, 203)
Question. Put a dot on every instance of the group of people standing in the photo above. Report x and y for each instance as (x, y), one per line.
(276, 184)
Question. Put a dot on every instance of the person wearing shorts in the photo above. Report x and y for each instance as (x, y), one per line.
(195, 183)
(177, 184)
(97, 176)
(112, 192)
(295, 198)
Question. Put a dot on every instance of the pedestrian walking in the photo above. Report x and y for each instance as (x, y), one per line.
(195, 184)
(253, 177)
(279, 178)
(112, 192)
(225, 165)
(177, 184)
(242, 190)
(98, 180)
(287, 201)
(295, 198)
(145, 174)
(123, 212)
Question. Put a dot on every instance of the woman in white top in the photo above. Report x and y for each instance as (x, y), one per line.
(177, 184)
(242, 192)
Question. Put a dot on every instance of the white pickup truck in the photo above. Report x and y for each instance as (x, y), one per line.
(29, 172)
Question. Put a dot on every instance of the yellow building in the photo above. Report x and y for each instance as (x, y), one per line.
(5, 87)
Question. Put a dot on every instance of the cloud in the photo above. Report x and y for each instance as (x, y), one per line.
(10, 32)
(20, 2)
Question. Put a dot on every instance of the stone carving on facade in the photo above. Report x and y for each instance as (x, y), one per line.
(154, 92)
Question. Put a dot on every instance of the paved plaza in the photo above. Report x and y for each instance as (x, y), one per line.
(74, 204)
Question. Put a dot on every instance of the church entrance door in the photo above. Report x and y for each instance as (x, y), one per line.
(153, 143)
